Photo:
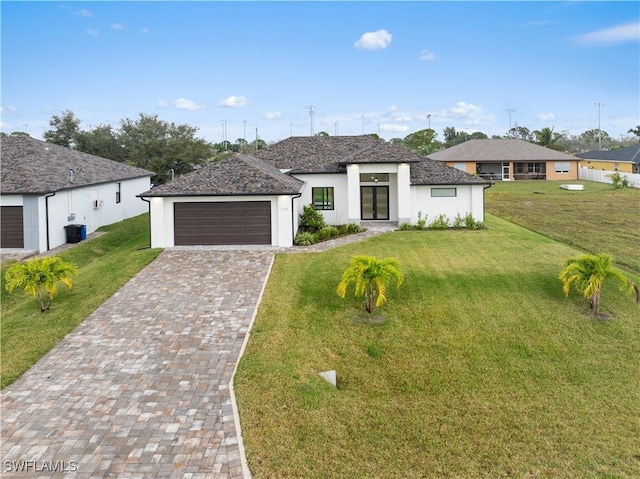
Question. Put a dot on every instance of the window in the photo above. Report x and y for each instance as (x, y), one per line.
(118, 191)
(561, 167)
(443, 192)
(616, 167)
(322, 198)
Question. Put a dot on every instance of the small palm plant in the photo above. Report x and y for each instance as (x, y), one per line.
(39, 278)
(588, 273)
(370, 277)
(619, 180)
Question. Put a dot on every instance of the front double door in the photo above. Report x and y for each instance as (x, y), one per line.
(374, 202)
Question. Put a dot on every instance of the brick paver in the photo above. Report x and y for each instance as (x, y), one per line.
(140, 389)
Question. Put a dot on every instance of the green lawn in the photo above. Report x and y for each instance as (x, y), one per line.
(598, 219)
(104, 265)
(482, 369)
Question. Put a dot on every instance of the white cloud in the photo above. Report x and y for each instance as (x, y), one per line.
(628, 32)
(272, 115)
(546, 117)
(184, 104)
(427, 55)
(117, 26)
(404, 119)
(469, 113)
(395, 128)
(163, 104)
(8, 110)
(373, 40)
(85, 13)
(93, 32)
(234, 101)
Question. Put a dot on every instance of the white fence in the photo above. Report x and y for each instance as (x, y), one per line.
(600, 176)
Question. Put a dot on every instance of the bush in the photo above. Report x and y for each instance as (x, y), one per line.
(405, 227)
(343, 230)
(353, 228)
(459, 221)
(422, 222)
(326, 233)
(472, 224)
(440, 223)
(311, 219)
(305, 239)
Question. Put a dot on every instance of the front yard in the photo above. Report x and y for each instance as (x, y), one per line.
(482, 369)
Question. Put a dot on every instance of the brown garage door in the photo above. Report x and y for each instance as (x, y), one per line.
(242, 222)
(11, 227)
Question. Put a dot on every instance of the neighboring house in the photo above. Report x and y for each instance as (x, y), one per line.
(509, 159)
(45, 187)
(350, 179)
(625, 160)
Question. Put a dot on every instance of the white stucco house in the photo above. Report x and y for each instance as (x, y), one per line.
(45, 187)
(257, 199)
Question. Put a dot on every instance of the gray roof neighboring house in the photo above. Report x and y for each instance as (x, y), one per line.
(237, 175)
(31, 167)
(628, 153)
(499, 150)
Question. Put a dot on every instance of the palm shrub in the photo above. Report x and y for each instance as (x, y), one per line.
(305, 239)
(619, 180)
(588, 272)
(370, 276)
(39, 277)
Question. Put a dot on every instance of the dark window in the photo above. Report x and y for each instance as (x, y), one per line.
(118, 190)
(322, 198)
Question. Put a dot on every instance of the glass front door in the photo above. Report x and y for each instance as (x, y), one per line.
(374, 202)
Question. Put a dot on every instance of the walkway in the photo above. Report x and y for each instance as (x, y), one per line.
(141, 388)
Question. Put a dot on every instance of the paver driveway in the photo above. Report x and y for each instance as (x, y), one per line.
(141, 387)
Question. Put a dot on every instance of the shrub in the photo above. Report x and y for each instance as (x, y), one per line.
(422, 222)
(311, 219)
(459, 221)
(472, 224)
(353, 228)
(326, 233)
(305, 239)
(619, 180)
(405, 227)
(440, 223)
(343, 230)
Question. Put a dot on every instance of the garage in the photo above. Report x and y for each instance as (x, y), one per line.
(222, 223)
(11, 227)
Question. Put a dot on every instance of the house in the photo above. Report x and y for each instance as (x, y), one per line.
(509, 159)
(45, 187)
(624, 160)
(249, 199)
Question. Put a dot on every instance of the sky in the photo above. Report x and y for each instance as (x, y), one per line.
(280, 69)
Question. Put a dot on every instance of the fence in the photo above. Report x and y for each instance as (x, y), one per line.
(600, 176)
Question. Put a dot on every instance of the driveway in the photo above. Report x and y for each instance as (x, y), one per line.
(140, 389)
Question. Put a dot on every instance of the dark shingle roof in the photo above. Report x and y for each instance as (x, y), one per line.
(629, 153)
(499, 151)
(316, 154)
(329, 154)
(237, 175)
(431, 172)
(31, 166)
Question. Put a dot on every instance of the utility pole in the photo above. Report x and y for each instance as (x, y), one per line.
(336, 128)
(224, 133)
(509, 111)
(429, 120)
(311, 113)
(363, 124)
(244, 130)
(598, 104)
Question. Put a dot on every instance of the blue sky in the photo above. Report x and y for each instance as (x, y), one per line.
(372, 67)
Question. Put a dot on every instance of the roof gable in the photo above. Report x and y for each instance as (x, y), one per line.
(237, 175)
(499, 150)
(31, 166)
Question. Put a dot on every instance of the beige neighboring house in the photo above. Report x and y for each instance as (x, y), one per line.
(509, 159)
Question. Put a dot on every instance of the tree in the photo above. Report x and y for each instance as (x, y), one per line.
(590, 138)
(521, 133)
(39, 278)
(20, 133)
(65, 129)
(370, 277)
(421, 141)
(161, 147)
(588, 272)
(547, 138)
(322, 133)
(101, 141)
(635, 131)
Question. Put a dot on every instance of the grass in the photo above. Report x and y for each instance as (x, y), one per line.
(596, 220)
(482, 369)
(104, 265)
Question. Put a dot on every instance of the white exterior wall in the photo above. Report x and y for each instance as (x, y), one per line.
(76, 207)
(163, 222)
(340, 213)
(469, 199)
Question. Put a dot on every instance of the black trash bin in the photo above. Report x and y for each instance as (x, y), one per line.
(74, 233)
